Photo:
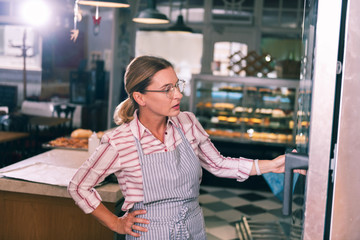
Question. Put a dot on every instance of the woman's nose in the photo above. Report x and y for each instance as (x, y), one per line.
(177, 93)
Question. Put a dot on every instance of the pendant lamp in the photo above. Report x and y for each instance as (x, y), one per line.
(151, 15)
(105, 3)
(180, 26)
(96, 3)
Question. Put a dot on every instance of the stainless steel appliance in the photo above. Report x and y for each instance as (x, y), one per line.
(329, 101)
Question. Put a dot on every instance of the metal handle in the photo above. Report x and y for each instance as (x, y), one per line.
(293, 161)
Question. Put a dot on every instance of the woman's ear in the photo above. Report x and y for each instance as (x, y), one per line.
(139, 98)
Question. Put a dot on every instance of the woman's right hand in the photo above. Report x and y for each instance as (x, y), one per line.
(126, 224)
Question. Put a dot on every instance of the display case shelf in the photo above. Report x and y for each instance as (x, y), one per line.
(246, 109)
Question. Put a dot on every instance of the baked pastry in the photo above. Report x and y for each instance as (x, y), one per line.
(226, 88)
(237, 134)
(266, 111)
(265, 90)
(208, 105)
(223, 113)
(237, 89)
(282, 138)
(249, 110)
(305, 124)
(251, 89)
(228, 106)
(289, 137)
(81, 133)
(278, 113)
(291, 124)
(239, 109)
(214, 120)
(79, 143)
(200, 105)
(272, 136)
(232, 119)
(222, 118)
(244, 119)
(255, 120)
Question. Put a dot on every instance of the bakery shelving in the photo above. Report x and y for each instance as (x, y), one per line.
(246, 109)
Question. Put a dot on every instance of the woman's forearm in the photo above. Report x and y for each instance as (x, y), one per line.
(105, 217)
(276, 165)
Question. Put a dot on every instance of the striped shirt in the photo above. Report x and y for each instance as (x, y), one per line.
(117, 154)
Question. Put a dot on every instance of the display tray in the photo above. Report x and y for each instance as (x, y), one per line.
(67, 143)
(252, 141)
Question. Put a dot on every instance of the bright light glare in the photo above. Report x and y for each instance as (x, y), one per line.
(35, 12)
(268, 58)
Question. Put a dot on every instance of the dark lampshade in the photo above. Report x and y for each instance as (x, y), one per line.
(105, 3)
(151, 15)
(180, 26)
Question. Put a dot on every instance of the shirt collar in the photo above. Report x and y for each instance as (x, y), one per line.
(138, 129)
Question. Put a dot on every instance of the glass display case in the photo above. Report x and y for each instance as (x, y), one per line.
(246, 109)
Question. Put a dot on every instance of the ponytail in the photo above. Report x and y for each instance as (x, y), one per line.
(138, 77)
(124, 112)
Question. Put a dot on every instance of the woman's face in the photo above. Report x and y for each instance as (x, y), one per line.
(159, 103)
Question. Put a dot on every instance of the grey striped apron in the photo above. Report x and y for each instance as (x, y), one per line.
(171, 182)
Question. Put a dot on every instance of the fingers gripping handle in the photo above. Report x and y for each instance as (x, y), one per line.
(293, 161)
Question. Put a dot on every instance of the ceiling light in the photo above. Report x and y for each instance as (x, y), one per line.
(36, 13)
(96, 3)
(105, 3)
(180, 26)
(151, 15)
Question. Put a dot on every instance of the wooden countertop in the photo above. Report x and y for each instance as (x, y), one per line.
(63, 158)
(11, 136)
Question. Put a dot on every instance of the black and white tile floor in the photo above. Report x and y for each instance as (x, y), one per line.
(224, 207)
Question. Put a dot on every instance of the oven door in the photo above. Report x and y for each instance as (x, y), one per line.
(305, 204)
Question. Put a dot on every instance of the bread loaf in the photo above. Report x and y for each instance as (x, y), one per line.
(81, 133)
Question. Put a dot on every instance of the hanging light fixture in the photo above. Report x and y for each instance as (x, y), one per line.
(96, 19)
(105, 3)
(151, 15)
(180, 26)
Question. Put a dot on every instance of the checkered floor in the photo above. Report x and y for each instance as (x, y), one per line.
(224, 207)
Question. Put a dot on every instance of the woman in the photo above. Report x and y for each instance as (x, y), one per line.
(156, 154)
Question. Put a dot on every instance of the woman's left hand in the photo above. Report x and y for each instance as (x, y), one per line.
(278, 164)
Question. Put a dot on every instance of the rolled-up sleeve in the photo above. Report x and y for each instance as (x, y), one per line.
(101, 163)
(212, 160)
(221, 166)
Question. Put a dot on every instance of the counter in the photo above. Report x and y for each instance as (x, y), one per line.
(35, 210)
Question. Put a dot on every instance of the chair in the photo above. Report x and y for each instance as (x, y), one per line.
(8, 97)
(65, 111)
(14, 122)
(18, 148)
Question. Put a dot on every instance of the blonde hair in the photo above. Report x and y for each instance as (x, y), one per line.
(138, 77)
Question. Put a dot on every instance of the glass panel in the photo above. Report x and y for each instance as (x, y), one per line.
(289, 19)
(291, 4)
(303, 116)
(246, 3)
(304, 101)
(271, 4)
(222, 53)
(4, 9)
(241, 112)
(270, 18)
(240, 11)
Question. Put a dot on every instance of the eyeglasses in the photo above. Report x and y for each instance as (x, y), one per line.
(170, 89)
